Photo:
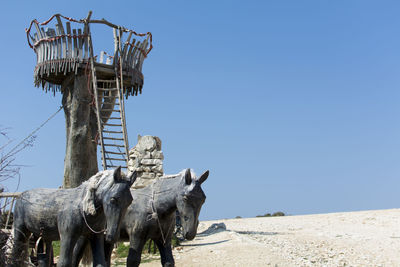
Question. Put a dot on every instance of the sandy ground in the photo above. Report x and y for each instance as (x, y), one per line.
(365, 238)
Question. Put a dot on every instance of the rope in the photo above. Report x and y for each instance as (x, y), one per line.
(154, 215)
(33, 132)
(90, 228)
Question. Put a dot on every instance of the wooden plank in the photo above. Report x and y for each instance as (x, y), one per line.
(37, 48)
(85, 41)
(9, 212)
(58, 42)
(39, 36)
(129, 55)
(135, 53)
(117, 159)
(114, 153)
(113, 132)
(80, 45)
(69, 49)
(110, 124)
(75, 53)
(101, 57)
(114, 145)
(45, 46)
(142, 56)
(125, 50)
(63, 39)
(113, 138)
(115, 43)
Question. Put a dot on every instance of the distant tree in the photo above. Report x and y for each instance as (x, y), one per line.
(238, 217)
(8, 168)
(278, 213)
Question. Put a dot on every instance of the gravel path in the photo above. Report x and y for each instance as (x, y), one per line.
(365, 238)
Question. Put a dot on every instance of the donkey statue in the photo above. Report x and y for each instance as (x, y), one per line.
(152, 215)
(96, 206)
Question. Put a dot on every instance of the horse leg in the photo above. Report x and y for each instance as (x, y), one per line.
(43, 254)
(79, 249)
(19, 253)
(97, 244)
(167, 260)
(49, 253)
(108, 248)
(135, 250)
(67, 244)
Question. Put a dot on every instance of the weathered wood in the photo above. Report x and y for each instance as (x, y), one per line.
(113, 145)
(116, 41)
(75, 53)
(112, 138)
(4, 195)
(85, 41)
(101, 57)
(80, 44)
(117, 159)
(114, 153)
(115, 132)
(112, 124)
(130, 52)
(125, 50)
(63, 39)
(9, 212)
(39, 35)
(69, 51)
(134, 54)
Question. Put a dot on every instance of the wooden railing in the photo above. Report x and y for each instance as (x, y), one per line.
(7, 201)
(62, 49)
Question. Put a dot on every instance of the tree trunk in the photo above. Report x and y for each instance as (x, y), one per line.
(81, 125)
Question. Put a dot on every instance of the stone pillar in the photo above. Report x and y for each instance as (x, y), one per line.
(147, 159)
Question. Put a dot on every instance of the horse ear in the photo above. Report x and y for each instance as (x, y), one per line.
(117, 174)
(204, 176)
(188, 177)
(132, 177)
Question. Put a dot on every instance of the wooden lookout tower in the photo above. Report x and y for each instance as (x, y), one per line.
(93, 87)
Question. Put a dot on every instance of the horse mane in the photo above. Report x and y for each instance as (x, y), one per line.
(181, 173)
(91, 186)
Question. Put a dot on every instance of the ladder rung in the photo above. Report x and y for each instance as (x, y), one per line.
(116, 166)
(107, 96)
(106, 81)
(115, 159)
(106, 89)
(116, 110)
(110, 124)
(112, 138)
(111, 118)
(113, 145)
(115, 153)
(112, 131)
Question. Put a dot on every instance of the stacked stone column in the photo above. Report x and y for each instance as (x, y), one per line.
(147, 159)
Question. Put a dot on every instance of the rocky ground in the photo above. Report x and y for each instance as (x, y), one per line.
(365, 238)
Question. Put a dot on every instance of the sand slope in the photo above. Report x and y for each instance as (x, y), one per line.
(365, 238)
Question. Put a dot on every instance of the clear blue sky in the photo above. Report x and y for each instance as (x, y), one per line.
(291, 105)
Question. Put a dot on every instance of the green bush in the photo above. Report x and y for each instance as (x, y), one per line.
(56, 248)
(278, 213)
(122, 250)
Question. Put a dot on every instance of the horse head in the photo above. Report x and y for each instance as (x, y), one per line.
(189, 202)
(112, 191)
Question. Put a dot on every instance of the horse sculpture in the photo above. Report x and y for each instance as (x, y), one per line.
(152, 216)
(97, 205)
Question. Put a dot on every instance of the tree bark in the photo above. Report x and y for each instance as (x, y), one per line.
(81, 128)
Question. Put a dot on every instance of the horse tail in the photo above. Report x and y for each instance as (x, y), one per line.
(87, 256)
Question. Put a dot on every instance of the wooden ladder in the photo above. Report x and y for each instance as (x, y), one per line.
(110, 112)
